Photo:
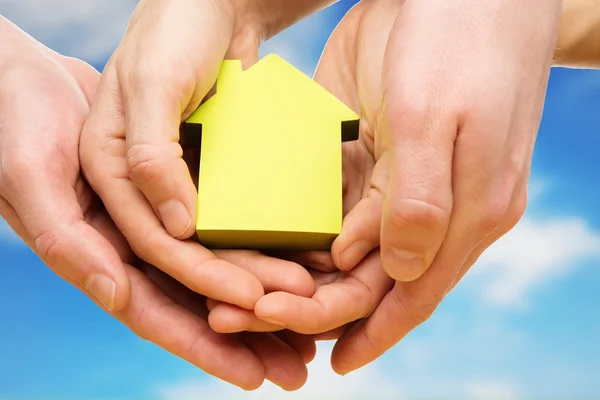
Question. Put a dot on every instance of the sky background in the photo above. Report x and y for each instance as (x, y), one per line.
(523, 324)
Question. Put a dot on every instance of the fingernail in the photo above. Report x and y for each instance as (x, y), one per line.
(272, 321)
(174, 217)
(404, 266)
(103, 289)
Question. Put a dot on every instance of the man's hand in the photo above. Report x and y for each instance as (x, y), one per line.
(165, 66)
(44, 99)
(462, 92)
(450, 96)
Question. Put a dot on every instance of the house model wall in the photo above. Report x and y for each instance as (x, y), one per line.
(270, 159)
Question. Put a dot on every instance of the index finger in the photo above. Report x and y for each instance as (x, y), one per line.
(155, 317)
(103, 160)
(407, 305)
(352, 296)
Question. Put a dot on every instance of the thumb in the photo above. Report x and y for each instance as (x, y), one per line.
(156, 94)
(362, 225)
(51, 219)
(418, 200)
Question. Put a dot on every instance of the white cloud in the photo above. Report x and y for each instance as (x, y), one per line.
(323, 384)
(535, 252)
(492, 390)
(89, 29)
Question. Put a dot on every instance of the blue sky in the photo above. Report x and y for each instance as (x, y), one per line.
(522, 325)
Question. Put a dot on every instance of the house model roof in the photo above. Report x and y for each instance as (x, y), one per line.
(270, 162)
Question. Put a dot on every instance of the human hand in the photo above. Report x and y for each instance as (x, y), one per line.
(423, 178)
(44, 99)
(350, 68)
(130, 151)
(162, 70)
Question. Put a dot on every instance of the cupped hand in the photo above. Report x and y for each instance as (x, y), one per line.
(44, 100)
(350, 68)
(130, 152)
(450, 97)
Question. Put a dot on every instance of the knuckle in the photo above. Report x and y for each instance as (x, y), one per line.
(494, 215)
(368, 343)
(145, 245)
(15, 168)
(421, 213)
(50, 248)
(146, 314)
(416, 310)
(145, 71)
(507, 208)
(414, 108)
(143, 163)
(517, 209)
(407, 109)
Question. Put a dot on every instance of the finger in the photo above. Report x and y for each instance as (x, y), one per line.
(61, 237)
(282, 364)
(282, 359)
(420, 131)
(360, 234)
(274, 274)
(211, 303)
(519, 204)
(361, 230)
(188, 262)
(410, 304)
(157, 94)
(12, 219)
(103, 162)
(336, 333)
(154, 164)
(227, 318)
(303, 344)
(155, 317)
(349, 298)
(317, 260)
(87, 77)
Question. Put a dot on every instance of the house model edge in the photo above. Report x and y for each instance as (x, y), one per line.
(318, 236)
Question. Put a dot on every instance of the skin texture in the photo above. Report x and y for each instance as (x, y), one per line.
(51, 207)
(440, 170)
(70, 225)
(578, 45)
(130, 153)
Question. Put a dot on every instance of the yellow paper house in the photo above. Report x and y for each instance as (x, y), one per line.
(270, 159)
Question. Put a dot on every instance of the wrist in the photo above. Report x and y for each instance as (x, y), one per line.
(269, 17)
(578, 44)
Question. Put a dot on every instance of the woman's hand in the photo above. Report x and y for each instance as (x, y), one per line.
(44, 100)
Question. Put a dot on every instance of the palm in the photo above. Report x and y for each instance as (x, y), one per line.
(157, 308)
(341, 298)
